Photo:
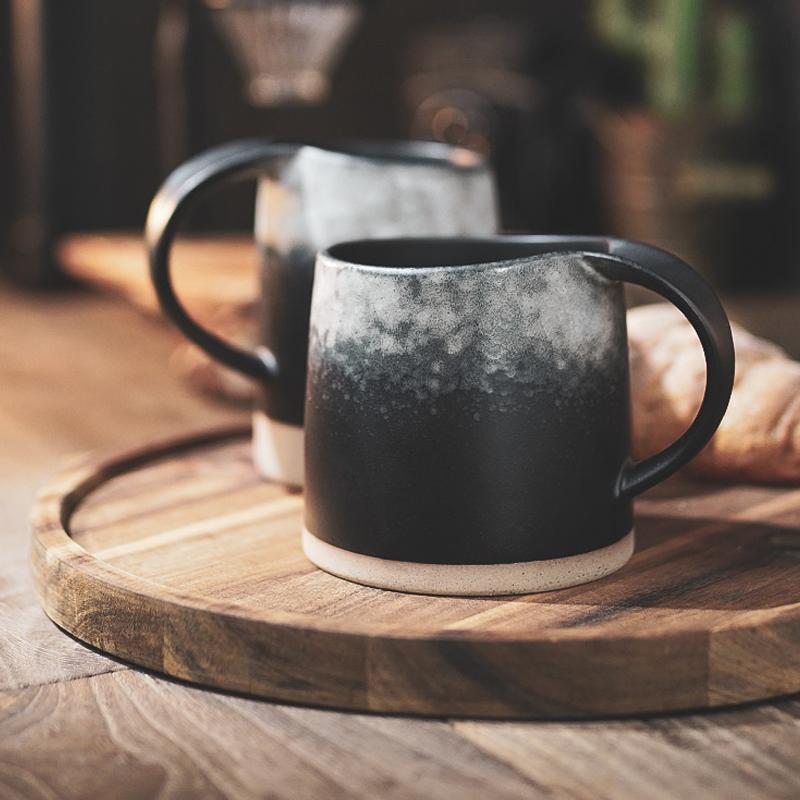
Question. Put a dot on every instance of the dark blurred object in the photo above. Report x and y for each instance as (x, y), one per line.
(699, 133)
(107, 98)
(507, 83)
(500, 76)
(675, 121)
(80, 110)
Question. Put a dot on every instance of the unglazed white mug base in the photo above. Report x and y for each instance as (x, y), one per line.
(278, 450)
(468, 580)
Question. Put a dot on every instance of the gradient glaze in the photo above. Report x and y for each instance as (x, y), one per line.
(318, 197)
(467, 415)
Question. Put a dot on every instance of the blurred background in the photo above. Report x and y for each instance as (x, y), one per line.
(671, 121)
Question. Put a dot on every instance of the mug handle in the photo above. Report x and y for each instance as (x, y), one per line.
(677, 282)
(190, 182)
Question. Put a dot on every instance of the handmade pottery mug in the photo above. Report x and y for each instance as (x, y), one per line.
(308, 198)
(467, 416)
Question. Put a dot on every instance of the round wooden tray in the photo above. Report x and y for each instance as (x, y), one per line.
(178, 558)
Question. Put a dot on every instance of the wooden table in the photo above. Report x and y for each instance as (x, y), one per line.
(79, 371)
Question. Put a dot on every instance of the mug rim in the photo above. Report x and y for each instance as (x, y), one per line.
(409, 152)
(538, 246)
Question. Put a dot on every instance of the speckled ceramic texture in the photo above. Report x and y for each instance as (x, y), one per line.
(318, 197)
(472, 580)
(473, 414)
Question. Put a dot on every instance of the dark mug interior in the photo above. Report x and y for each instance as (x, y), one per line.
(422, 253)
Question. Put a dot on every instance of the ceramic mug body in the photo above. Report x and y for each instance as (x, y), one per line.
(309, 198)
(468, 416)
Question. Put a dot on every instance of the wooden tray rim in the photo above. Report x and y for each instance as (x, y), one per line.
(58, 501)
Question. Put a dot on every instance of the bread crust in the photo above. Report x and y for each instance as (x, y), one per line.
(759, 437)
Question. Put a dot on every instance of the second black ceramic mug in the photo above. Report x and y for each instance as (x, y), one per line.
(467, 419)
(308, 198)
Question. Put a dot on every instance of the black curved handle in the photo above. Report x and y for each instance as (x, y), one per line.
(677, 282)
(185, 186)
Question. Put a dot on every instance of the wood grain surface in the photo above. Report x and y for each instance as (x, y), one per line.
(178, 558)
(79, 371)
(210, 272)
(131, 735)
(215, 276)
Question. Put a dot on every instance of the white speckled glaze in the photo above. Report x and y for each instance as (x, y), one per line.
(317, 197)
(323, 197)
(485, 320)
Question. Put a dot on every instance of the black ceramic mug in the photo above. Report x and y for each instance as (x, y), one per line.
(467, 416)
(308, 198)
